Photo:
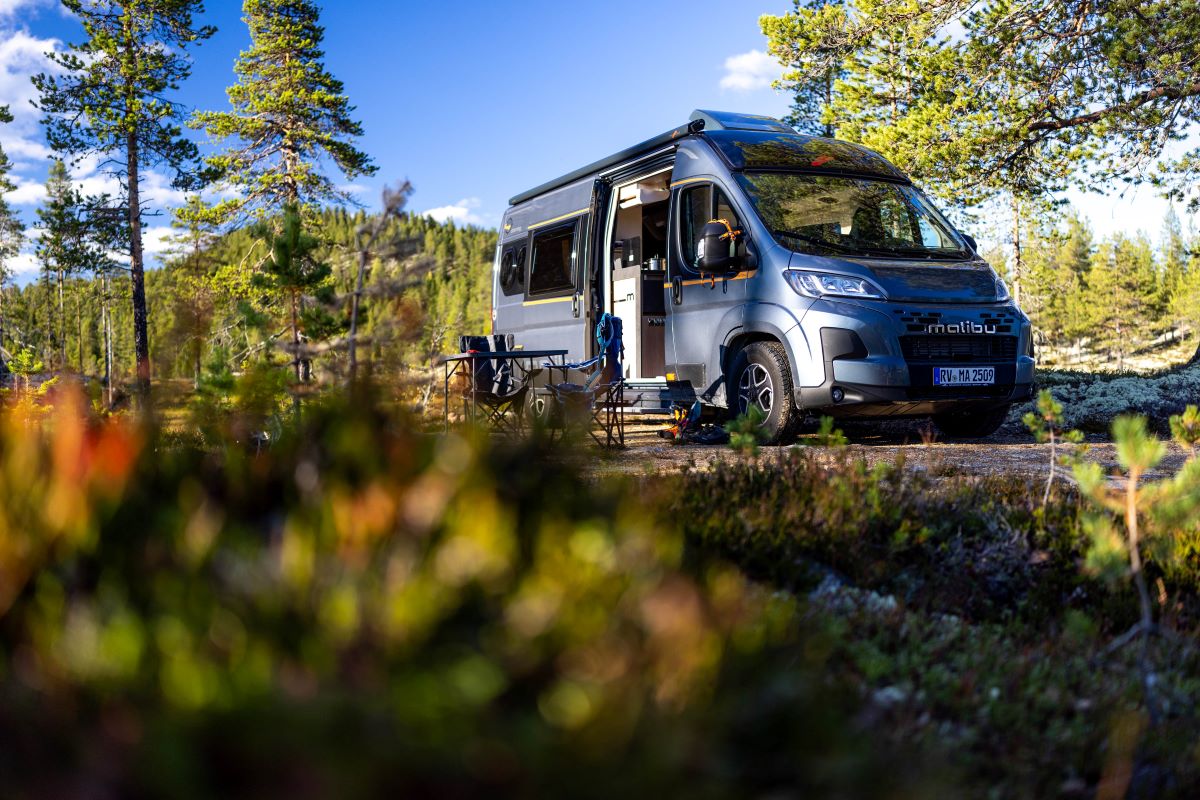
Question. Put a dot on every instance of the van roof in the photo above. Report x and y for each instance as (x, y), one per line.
(747, 141)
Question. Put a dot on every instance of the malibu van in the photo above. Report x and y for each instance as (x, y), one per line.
(754, 266)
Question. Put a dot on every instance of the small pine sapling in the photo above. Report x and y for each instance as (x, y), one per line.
(1185, 429)
(827, 435)
(1046, 425)
(746, 433)
(23, 364)
(1159, 507)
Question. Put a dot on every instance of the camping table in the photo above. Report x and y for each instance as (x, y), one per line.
(521, 359)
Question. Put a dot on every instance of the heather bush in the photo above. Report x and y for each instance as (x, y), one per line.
(360, 610)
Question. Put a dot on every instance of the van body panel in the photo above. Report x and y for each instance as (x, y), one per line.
(879, 355)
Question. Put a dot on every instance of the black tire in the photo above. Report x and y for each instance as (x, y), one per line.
(971, 424)
(539, 409)
(761, 374)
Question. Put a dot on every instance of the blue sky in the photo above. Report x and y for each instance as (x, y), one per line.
(476, 101)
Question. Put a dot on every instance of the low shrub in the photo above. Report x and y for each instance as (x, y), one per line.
(361, 610)
(1092, 401)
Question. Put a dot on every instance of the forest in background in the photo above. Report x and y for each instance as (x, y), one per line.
(208, 318)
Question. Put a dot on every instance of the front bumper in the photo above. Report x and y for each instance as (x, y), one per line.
(858, 366)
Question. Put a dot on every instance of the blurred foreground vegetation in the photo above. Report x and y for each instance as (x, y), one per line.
(358, 609)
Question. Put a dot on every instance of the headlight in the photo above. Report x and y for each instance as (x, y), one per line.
(1001, 290)
(823, 284)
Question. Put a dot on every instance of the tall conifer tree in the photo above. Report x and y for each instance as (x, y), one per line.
(112, 100)
(58, 246)
(288, 115)
(11, 234)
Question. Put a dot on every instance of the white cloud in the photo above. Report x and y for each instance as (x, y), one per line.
(749, 71)
(9, 8)
(21, 56)
(462, 212)
(27, 193)
(158, 239)
(23, 265)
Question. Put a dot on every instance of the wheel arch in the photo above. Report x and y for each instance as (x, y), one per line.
(756, 328)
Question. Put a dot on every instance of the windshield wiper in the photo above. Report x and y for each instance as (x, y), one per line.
(922, 252)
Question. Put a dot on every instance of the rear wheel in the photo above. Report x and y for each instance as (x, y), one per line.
(762, 379)
(539, 407)
(971, 424)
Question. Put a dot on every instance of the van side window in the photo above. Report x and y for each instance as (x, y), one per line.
(695, 212)
(552, 267)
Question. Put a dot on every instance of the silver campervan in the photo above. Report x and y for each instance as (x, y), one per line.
(753, 266)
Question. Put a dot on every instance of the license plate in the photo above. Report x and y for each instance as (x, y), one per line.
(964, 376)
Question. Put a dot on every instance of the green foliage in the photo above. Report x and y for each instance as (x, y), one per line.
(1036, 115)
(1046, 426)
(365, 605)
(1137, 450)
(11, 231)
(745, 432)
(289, 115)
(827, 435)
(110, 96)
(25, 363)
(1185, 428)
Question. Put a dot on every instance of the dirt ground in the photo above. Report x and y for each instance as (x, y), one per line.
(1007, 452)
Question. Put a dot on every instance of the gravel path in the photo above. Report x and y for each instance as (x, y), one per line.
(1008, 452)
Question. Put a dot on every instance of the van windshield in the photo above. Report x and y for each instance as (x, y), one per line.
(827, 214)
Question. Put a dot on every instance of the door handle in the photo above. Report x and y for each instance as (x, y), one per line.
(677, 290)
(575, 305)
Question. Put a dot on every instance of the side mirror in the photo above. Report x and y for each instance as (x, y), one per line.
(971, 241)
(718, 248)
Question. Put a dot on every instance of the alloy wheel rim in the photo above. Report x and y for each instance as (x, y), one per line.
(756, 389)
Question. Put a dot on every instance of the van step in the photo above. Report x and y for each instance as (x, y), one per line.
(656, 397)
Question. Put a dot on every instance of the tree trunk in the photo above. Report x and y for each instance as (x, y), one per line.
(1195, 359)
(108, 344)
(62, 324)
(1018, 266)
(358, 287)
(79, 323)
(296, 351)
(141, 337)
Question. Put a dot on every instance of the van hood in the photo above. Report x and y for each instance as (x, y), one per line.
(928, 281)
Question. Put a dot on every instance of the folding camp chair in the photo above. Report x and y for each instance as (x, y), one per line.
(600, 400)
(494, 389)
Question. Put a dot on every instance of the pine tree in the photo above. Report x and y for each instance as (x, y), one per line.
(11, 234)
(194, 294)
(811, 77)
(289, 114)
(58, 246)
(1174, 261)
(1004, 97)
(1122, 295)
(293, 270)
(112, 100)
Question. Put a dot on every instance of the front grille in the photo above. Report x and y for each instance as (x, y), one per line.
(959, 348)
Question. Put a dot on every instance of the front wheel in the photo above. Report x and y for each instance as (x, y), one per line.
(971, 424)
(762, 379)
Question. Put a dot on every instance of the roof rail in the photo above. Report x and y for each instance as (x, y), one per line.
(699, 121)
